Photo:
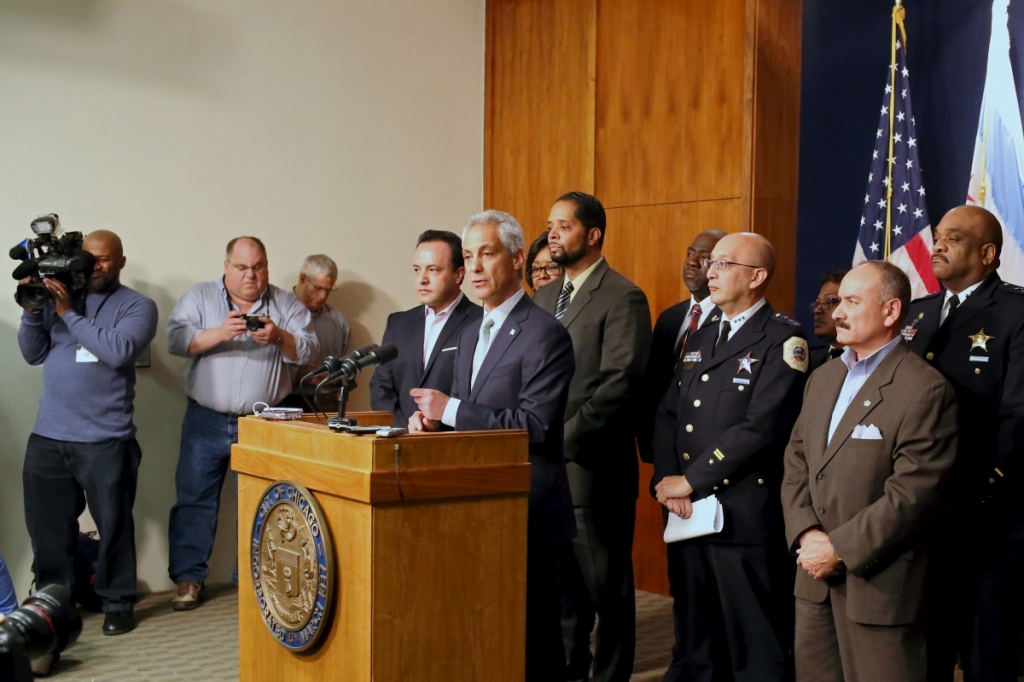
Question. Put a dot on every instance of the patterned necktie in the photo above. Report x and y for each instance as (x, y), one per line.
(695, 313)
(482, 344)
(834, 353)
(563, 300)
(954, 303)
(723, 337)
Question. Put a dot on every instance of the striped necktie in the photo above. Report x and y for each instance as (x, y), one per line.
(563, 300)
(695, 314)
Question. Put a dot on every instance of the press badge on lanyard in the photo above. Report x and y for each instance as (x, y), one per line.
(83, 354)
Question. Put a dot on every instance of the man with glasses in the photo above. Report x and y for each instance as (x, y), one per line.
(721, 431)
(673, 330)
(824, 325)
(317, 279)
(230, 367)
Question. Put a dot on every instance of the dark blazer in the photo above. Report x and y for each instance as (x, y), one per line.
(725, 428)
(391, 383)
(819, 356)
(610, 325)
(523, 383)
(661, 365)
(872, 496)
(989, 381)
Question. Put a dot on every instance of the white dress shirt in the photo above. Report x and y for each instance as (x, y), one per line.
(737, 322)
(859, 371)
(577, 283)
(499, 315)
(944, 313)
(433, 324)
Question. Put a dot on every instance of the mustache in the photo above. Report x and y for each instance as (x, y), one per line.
(840, 324)
(940, 257)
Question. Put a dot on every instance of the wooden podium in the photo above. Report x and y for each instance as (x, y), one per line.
(429, 541)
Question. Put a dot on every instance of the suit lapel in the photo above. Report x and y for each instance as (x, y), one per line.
(450, 325)
(586, 292)
(713, 318)
(506, 336)
(979, 299)
(416, 337)
(927, 326)
(868, 398)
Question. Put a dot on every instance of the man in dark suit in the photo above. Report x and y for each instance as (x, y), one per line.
(610, 324)
(824, 325)
(721, 430)
(512, 371)
(428, 334)
(865, 465)
(973, 332)
(672, 334)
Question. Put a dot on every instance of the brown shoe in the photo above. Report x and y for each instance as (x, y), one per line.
(187, 597)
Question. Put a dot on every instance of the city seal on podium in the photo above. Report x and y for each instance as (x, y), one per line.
(292, 564)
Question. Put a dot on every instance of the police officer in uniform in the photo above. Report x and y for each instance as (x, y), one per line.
(973, 332)
(721, 430)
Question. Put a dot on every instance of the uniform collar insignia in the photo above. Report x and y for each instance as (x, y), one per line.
(980, 339)
(746, 363)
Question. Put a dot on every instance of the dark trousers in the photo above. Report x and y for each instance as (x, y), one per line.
(545, 660)
(596, 573)
(729, 620)
(55, 475)
(206, 440)
(974, 606)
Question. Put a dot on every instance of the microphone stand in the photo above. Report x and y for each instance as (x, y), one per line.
(346, 386)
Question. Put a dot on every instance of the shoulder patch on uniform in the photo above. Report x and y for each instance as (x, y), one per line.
(795, 353)
(783, 317)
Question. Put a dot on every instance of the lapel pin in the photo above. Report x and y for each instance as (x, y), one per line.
(980, 339)
(867, 403)
(511, 332)
(714, 318)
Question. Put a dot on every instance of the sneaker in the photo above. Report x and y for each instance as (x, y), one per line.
(187, 597)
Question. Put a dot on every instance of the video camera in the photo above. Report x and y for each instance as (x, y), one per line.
(45, 624)
(49, 255)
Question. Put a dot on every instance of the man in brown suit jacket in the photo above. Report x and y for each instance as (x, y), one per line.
(867, 459)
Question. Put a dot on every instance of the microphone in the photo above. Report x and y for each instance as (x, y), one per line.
(25, 269)
(333, 364)
(351, 367)
(20, 251)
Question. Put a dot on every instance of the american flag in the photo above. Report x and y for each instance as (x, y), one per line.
(903, 210)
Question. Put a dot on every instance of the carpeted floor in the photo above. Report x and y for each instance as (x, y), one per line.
(203, 644)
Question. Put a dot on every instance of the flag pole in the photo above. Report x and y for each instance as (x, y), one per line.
(897, 18)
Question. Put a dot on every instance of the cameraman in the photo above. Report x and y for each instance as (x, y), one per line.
(84, 436)
(230, 367)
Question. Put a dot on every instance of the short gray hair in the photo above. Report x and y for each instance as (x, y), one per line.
(319, 265)
(509, 231)
(893, 282)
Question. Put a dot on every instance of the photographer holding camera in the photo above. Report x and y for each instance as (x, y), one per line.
(238, 333)
(84, 435)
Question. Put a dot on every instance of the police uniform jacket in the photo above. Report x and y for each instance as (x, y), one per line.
(980, 350)
(725, 421)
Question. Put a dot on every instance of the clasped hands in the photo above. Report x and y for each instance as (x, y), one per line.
(674, 492)
(816, 555)
(431, 404)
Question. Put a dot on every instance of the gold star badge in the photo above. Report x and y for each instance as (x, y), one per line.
(979, 340)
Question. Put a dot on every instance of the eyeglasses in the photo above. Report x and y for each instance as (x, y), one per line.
(722, 264)
(325, 290)
(256, 269)
(825, 303)
(552, 269)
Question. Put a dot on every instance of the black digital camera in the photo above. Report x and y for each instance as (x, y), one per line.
(49, 255)
(253, 322)
(45, 624)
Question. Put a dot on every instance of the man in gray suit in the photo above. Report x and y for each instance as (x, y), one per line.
(610, 324)
(865, 465)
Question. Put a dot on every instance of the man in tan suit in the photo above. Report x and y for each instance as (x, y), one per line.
(869, 454)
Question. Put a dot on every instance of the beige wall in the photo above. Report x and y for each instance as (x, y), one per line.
(345, 127)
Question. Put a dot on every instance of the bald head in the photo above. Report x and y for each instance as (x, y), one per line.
(105, 247)
(968, 242)
(749, 261)
(752, 249)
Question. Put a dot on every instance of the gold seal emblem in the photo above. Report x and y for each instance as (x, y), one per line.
(292, 563)
(795, 353)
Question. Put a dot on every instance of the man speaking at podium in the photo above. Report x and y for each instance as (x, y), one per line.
(512, 371)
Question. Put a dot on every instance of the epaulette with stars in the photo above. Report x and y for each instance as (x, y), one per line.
(927, 296)
(1010, 286)
(783, 317)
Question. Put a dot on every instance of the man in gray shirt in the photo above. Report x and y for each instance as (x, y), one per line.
(229, 369)
(84, 436)
(317, 280)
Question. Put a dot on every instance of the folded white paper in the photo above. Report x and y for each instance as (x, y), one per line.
(869, 432)
(707, 519)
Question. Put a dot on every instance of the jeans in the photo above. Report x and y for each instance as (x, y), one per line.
(8, 599)
(55, 475)
(206, 440)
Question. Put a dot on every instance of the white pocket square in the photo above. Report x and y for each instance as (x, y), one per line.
(869, 432)
(445, 350)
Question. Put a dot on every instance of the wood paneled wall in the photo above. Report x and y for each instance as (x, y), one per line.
(680, 115)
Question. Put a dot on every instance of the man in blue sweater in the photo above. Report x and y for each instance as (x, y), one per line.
(84, 436)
